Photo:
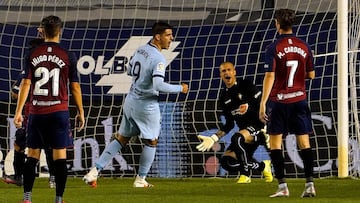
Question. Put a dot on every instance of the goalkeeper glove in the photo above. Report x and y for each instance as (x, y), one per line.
(207, 142)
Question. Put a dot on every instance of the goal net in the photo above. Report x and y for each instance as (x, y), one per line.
(104, 35)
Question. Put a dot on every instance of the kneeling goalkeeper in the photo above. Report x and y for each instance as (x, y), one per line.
(240, 101)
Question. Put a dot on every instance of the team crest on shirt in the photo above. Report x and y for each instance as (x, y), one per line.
(161, 67)
(240, 96)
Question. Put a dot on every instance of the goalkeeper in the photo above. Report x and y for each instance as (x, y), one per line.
(240, 101)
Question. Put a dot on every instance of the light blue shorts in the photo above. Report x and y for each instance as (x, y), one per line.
(140, 118)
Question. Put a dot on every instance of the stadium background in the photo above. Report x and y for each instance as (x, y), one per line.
(206, 37)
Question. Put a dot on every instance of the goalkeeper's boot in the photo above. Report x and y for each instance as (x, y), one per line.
(244, 179)
(12, 179)
(141, 182)
(267, 173)
(309, 190)
(91, 177)
(25, 201)
(282, 191)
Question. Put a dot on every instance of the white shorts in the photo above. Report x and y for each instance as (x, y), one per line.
(140, 118)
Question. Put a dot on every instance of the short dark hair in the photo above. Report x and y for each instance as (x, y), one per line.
(285, 17)
(52, 25)
(160, 27)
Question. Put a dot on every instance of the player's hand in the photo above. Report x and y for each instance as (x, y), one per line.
(18, 119)
(79, 122)
(207, 142)
(262, 115)
(185, 88)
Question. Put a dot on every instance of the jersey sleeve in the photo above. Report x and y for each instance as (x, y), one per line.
(159, 83)
(159, 69)
(73, 76)
(269, 58)
(15, 88)
(310, 61)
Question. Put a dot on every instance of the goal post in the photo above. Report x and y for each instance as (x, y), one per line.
(342, 89)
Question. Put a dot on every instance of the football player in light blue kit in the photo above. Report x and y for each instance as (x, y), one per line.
(141, 107)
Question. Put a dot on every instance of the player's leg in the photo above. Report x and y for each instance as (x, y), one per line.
(301, 125)
(34, 143)
(148, 120)
(229, 161)
(106, 156)
(307, 157)
(50, 164)
(146, 159)
(19, 158)
(55, 136)
(278, 122)
(127, 127)
(277, 159)
(257, 135)
(264, 166)
(32, 160)
(60, 172)
(238, 146)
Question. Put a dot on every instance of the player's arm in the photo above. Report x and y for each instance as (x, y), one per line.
(268, 81)
(14, 91)
(75, 90)
(16, 86)
(160, 85)
(22, 96)
(76, 93)
(310, 73)
(267, 86)
(209, 141)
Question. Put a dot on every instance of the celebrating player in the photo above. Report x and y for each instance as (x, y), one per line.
(141, 107)
(288, 64)
(49, 70)
(239, 101)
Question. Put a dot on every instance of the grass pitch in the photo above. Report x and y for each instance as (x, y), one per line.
(186, 190)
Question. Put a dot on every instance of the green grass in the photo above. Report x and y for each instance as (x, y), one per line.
(189, 190)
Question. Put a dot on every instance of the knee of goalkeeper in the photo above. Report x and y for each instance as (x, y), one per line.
(229, 161)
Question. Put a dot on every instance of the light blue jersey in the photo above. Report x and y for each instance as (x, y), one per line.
(141, 107)
(147, 68)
